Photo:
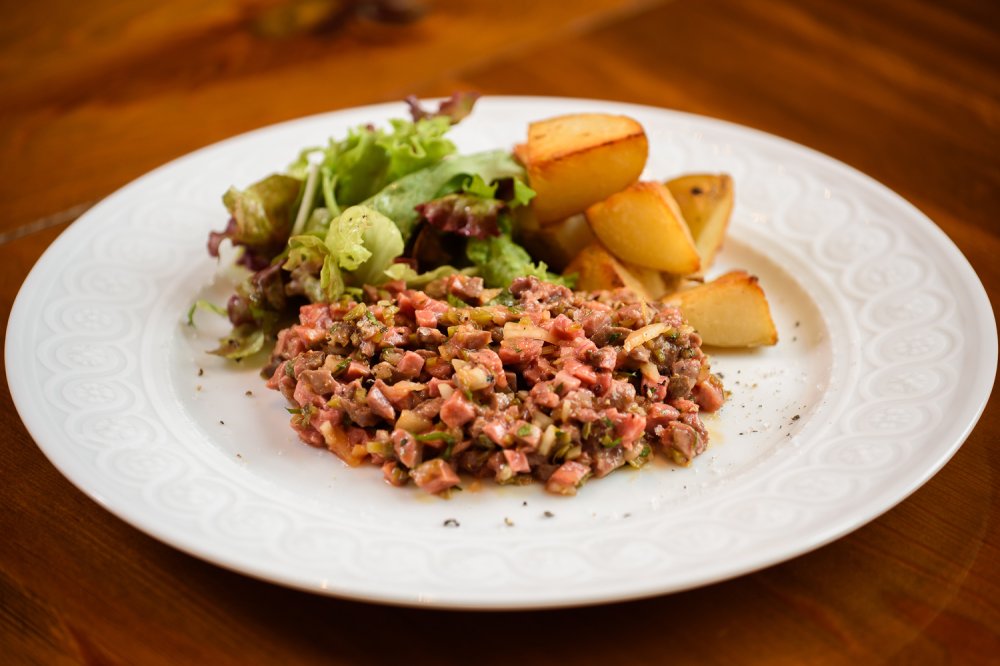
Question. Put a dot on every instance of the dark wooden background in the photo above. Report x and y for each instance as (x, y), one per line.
(93, 94)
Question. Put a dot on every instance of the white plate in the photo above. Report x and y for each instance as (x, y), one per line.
(888, 352)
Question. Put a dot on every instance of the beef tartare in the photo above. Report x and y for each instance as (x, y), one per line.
(540, 383)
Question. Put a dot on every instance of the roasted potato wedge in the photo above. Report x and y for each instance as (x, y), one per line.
(597, 269)
(556, 244)
(730, 311)
(652, 281)
(573, 161)
(706, 204)
(642, 225)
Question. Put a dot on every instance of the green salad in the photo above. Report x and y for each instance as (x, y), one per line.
(381, 204)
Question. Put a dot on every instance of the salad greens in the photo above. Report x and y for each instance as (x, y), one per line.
(377, 205)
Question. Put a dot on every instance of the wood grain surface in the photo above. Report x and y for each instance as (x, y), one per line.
(94, 94)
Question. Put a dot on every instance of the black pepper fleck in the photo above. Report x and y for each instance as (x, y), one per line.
(796, 417)
(549, 514)
(451, 522)
(525, 503)
(248, 394)
(201, 371)
(221, 422)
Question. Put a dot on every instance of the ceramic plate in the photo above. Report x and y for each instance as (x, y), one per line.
(887, 355)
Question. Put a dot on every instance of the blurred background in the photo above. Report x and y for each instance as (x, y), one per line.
(94, 94)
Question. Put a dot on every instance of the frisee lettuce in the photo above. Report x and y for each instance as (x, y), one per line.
(369, 158)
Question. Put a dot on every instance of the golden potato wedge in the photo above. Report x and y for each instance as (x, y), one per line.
(597, 270)
(642, 225)
(706, 204)
(730, 311)
(652, 281)
(674, 283)
(573, 161)
(558, 243)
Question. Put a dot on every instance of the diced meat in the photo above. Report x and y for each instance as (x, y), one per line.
(497, 432)
(682, 441)
(427, 335)
(457, 411)
(427, 318)
(685, 374)
(464, 287)
(408, 450)
(393, 475)
(519, 350)
(567, 403)
(660, 414)
(435, 476)
(565, 328)
(629, 427)
(468, 337)
(380, 405)
(410, 365)
(709, 395)
(517, 461)
(608, 460)
(566, 478)
(544, 396)
(321, 381)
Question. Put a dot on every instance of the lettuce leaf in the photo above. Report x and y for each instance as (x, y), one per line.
(382, 241)
(415, 280)
(463, 214)
(261, 218)
(359, 246)
(454, 108)
(398, 200)
(369, 158)
(499, 260)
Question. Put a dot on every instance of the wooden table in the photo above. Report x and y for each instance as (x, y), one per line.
(94, 94)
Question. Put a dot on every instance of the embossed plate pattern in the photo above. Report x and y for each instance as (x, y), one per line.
(888, 352)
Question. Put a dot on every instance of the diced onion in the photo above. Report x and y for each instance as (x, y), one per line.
(542, 420)
(650, 372)
(470, 376)
(513, 330)
(644, 335)
(412, 422)
(548, 439)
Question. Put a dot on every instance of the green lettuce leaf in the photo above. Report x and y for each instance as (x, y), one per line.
(359, 246)
(398, 200)
(261, 219)
(499, 260)
(264, 211)
(381, 239)
(369, 158)
(414, 146)
(417, 280)
(522, 194)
